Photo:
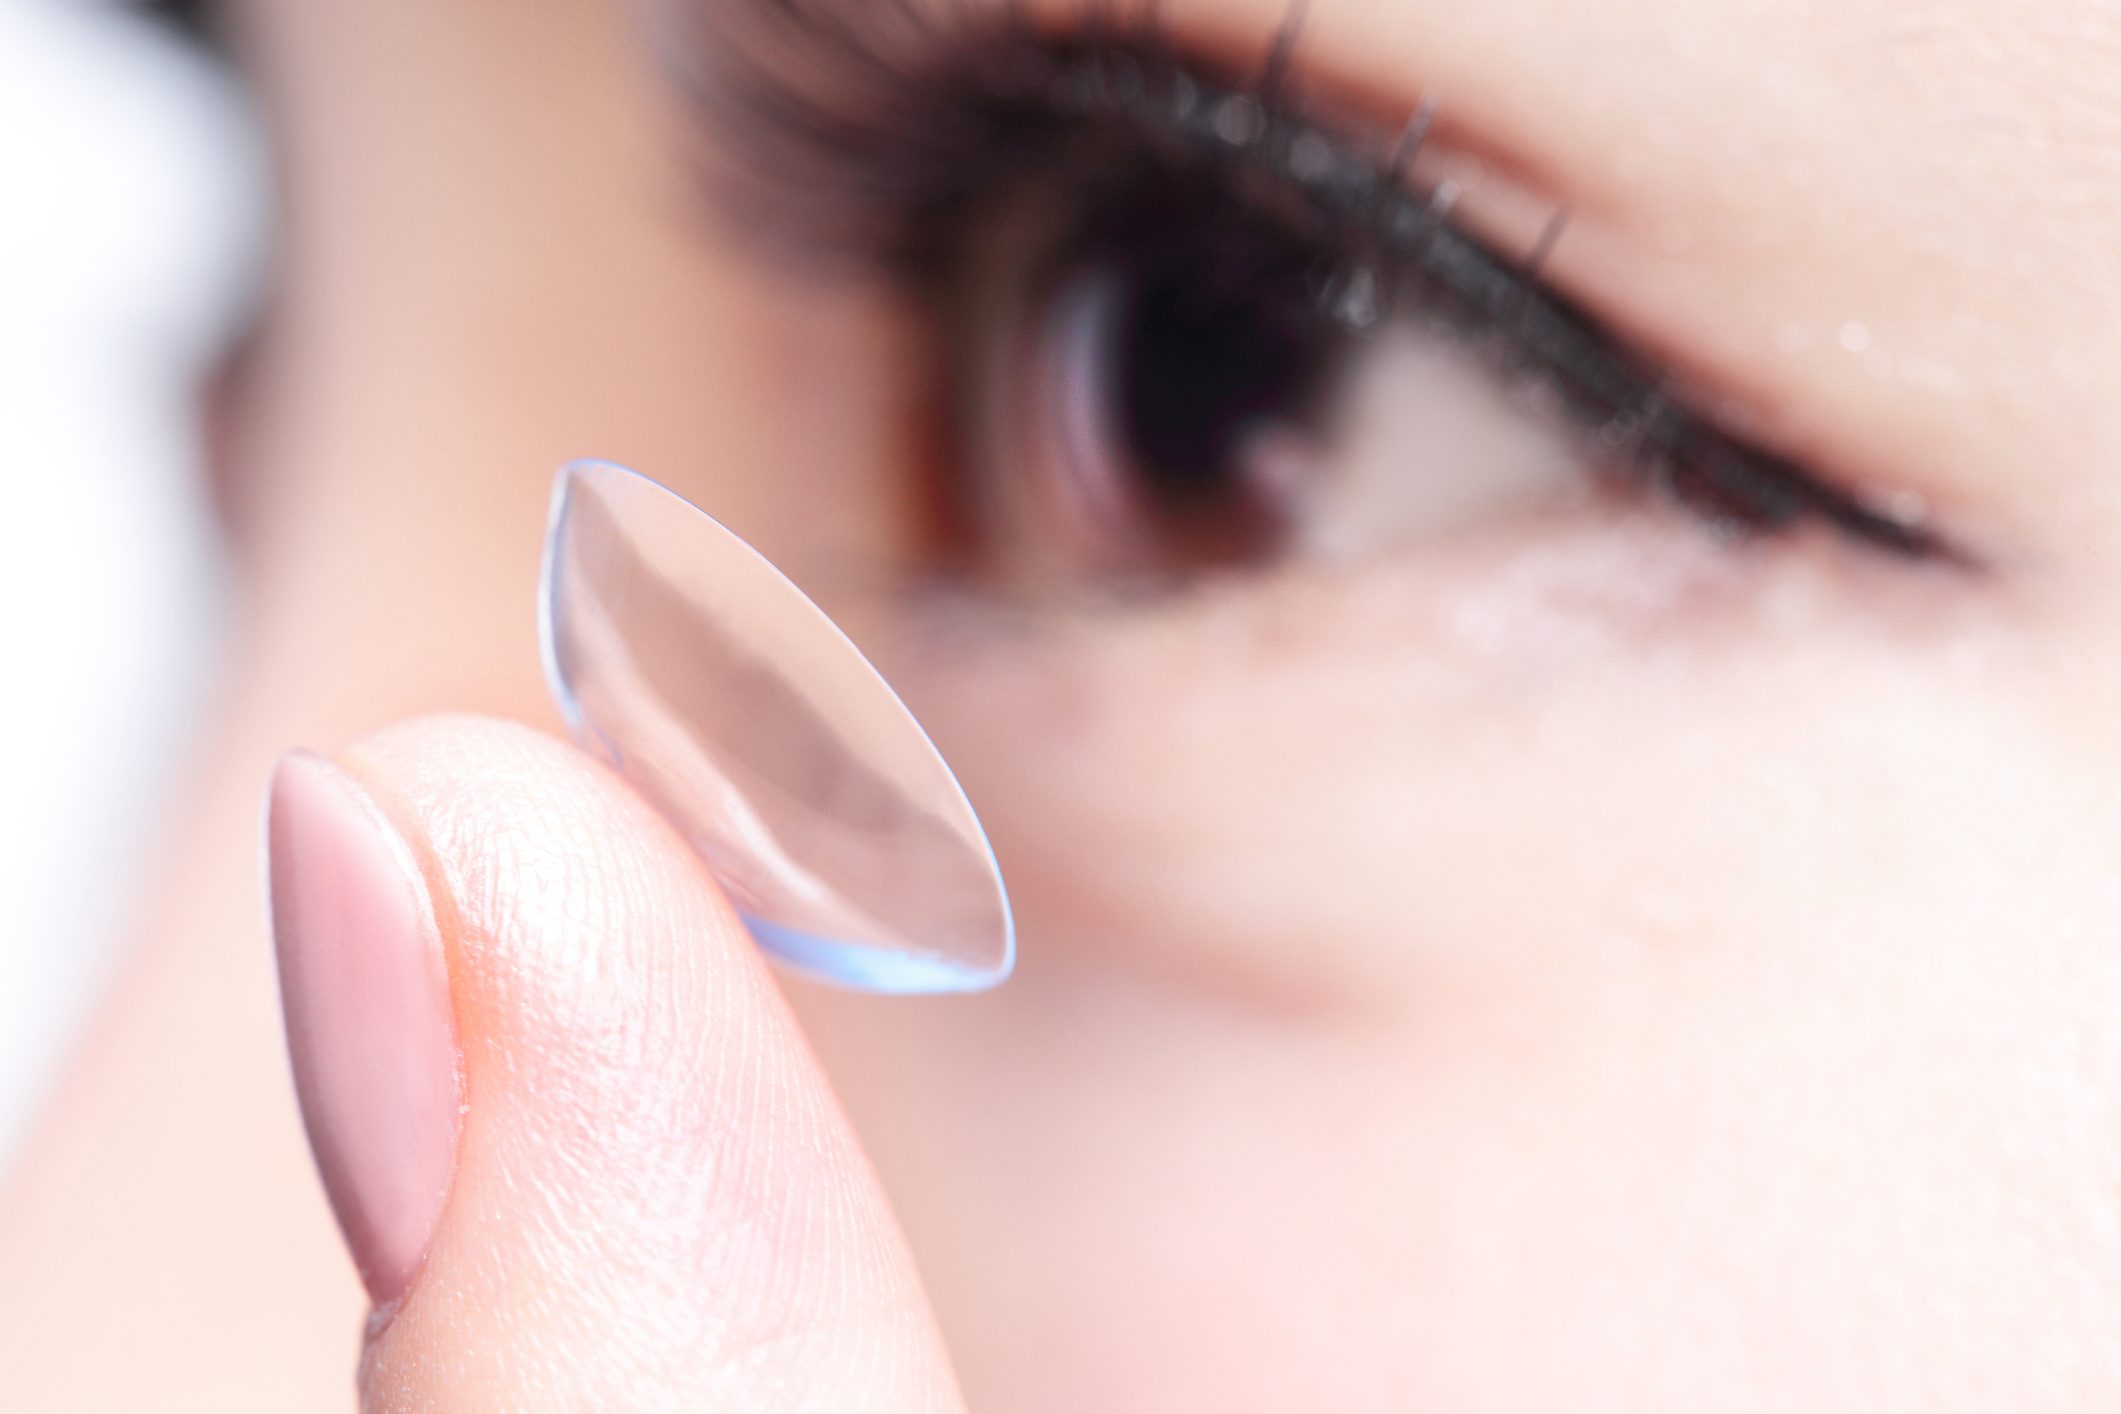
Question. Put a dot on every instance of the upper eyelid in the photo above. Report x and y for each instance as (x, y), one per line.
(915, 34)
(738, 57)
(1505, 288)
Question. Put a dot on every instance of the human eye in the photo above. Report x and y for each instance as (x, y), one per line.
(1182, 318)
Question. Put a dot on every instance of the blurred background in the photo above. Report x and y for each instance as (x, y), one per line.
(132, 220)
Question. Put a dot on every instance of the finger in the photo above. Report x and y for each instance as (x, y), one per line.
(577, 1145)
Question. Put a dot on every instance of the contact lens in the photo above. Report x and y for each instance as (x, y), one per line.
(685, 659)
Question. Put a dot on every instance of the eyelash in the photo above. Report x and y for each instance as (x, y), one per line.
(884, 147)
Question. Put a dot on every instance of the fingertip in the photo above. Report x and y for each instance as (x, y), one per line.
(653, 1183)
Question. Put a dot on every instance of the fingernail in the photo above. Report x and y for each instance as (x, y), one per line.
(369, 1026)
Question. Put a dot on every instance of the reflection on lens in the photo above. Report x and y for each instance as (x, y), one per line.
(692, 665)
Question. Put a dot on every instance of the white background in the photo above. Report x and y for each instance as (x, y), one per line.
(129, 222)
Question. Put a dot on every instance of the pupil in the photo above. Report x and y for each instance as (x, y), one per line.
(1221, 335)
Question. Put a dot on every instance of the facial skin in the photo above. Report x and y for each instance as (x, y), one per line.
(1574, 965)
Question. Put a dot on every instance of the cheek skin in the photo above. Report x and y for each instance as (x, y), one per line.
(1705, 989)
(1268, 758)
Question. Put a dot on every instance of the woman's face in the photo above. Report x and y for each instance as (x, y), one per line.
(1544, 883)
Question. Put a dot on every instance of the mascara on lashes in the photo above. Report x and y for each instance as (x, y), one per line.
(901, 135)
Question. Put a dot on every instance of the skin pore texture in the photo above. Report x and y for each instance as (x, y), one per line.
(1575, 966)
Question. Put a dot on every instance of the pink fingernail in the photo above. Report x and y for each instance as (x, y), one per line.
(369, 1026)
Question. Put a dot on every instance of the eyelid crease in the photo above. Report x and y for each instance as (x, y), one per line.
(879, 148)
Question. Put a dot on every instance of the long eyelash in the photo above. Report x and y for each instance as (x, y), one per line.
(880, 141)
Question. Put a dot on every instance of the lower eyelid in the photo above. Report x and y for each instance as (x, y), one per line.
(1536, 601)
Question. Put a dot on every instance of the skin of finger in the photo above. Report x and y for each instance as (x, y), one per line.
(656, 1203)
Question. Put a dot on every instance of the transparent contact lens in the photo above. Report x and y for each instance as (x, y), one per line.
(686, 660)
